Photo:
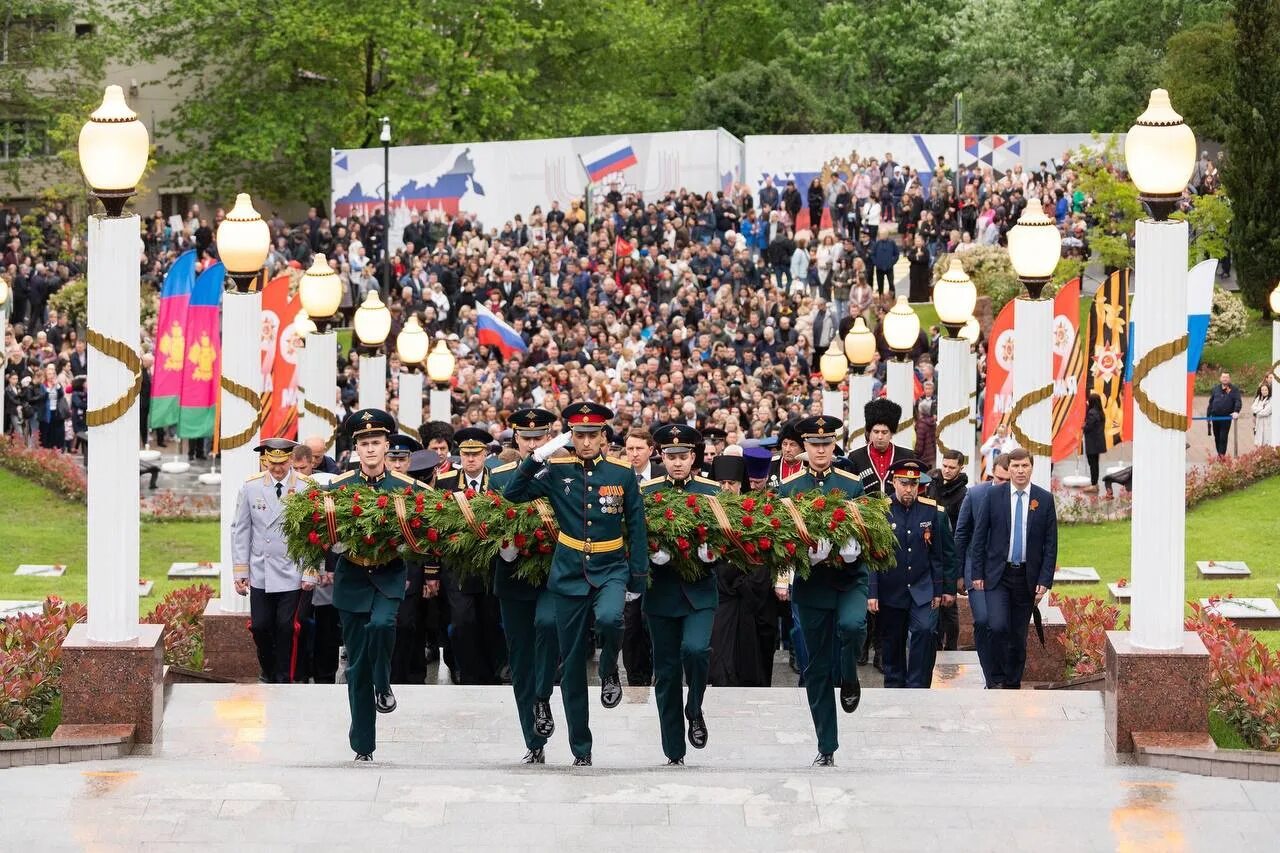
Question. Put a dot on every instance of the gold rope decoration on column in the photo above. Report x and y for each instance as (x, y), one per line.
(950, 420)
(405, 429)
(325, 415)
(1039, 395)
(260, 403)
(132, 362)
(1163, 418)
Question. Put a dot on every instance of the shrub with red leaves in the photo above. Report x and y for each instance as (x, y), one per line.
(53, 469)
(180, 612)
(1244, 678)
(1088, 620)
(31, 665)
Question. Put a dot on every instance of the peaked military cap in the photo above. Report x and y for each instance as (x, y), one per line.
(370, 422)
(677, 438)
(819, 429)
(907, 469)
(423, 463)
(276, 449)
(531, 423)
(587, 417)
(472, 440)
(403, 445)
(714, 433)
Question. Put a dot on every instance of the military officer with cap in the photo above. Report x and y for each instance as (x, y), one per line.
(261, 565)
(598, 508)
(680, 613)
(528, 610)
(832, 602)
(714, 440)
(368, 594)
(476, 631)
(408, 662)
(906, 598)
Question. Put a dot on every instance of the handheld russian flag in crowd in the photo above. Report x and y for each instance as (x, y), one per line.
(614, 156)
(171, 348)
(202, 372)
(492, 331)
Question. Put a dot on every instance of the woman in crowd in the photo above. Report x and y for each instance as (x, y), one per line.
(1095, 438)
(1261, 409)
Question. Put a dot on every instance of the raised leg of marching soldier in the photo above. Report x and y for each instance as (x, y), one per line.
(518, 618)
(605, 602)
(848, 621)
(681, 655)
(370, 640)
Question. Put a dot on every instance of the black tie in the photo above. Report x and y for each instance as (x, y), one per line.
(279, 489)
(475, 485)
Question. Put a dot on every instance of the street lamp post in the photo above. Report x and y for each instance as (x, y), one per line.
(834, 367)
(321, 292)
(1274, 438)
(411, 346)
(1035, 245)
(4, 318)
(954, 297)
(901, 331)
(440, 365)
(243, 243)
(385, 137)
(970, 333)
(372, 325)
(859, 348)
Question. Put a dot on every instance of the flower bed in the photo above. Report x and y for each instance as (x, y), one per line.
(1088, 620)
(169, 506)
(31, 665)
(56, 471)
(1244, 678)
(180, 612)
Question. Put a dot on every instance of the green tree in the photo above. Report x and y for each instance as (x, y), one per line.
(755, 99)
(1210, 221)
(1115, 203)
(1196, 72)
(1252, 171)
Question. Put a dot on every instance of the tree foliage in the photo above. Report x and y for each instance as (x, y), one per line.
(1196, 72)
(756, 95)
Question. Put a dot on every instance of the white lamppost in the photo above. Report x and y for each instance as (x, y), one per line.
(411, 346)
(4, 305)
(440, 365)
(954, 297)
(970, 333)
(321, 292)
(1160, 153)
(244, 241)
(372, 325)
(901, 331)
(114, 147)
(834, 367)
(1274, 438)
(859, 349)
(1035, 245)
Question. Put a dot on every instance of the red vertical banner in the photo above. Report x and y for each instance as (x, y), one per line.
(1068, 372)
(999, 387)
(280, 345)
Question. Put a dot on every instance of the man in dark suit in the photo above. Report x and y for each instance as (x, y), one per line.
(970, 508)
(1015, 541)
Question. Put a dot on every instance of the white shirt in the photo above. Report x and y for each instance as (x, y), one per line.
(1013, 516)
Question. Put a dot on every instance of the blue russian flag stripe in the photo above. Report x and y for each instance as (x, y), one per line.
(619, 159)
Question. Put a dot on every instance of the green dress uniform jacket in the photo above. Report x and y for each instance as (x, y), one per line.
(828, 578)
(505, 583)
(667, 594)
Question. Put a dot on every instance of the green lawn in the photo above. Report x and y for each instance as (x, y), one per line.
(1246, 357)
(37, 527)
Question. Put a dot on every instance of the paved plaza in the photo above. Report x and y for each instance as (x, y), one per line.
(254, 767)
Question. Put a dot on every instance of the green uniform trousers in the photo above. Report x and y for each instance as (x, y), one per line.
(370, 640)
(848, 622)
(605, 601)
(680, 643)
(532, 652)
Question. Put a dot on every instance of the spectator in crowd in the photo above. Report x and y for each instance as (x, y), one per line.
(1261, 409)
(1223, 410)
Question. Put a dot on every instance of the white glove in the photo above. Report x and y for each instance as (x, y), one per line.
(704, 554)
(546, 451)
(660, 557)
(508, 552)
(819, 553)
(850, 551)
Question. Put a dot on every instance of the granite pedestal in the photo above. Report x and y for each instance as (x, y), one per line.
(229, 651)
(1158, 691)
(1047, 662)
(965, 615)
(114, 683)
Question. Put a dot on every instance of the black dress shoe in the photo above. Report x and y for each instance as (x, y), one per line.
(364, 756)
(433, 656)
(824, 759)
(697, 732)
(610, 691)
(875, 661)
(850, 695)
(455, 677)
(534, 756)
(584, 761)
(544, 725)
(384, 703)
(675, 762)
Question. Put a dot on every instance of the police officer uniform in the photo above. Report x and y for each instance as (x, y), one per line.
(715, 438)
(528, 616)
(475, 621)
(261, 556)
(831, 604)
(598, 508)
(368, 596)
(680, 614)
(909, 594)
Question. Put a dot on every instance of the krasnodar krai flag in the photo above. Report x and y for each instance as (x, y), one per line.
(171, 346)
(492, 331)
(613, 156)
(202, 373)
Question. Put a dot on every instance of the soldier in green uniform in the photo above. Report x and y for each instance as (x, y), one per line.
(833, 600)
(598, 507)
(528, 611)
(408, 663)
(367, 594)
(680, 614)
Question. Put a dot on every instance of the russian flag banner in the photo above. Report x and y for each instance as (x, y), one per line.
(614, 156)
(493, 332)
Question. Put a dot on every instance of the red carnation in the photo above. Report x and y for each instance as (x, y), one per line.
(469, 494)
(775, 523)
(657, 497)
(439, 507)
(313, 538)
(497, 500)
(748, 520)
(544, 549)
(539, 534)
(511, 513)
(408, 490)
(355, 496)
(355, 509)
(382, 501)
(682, 543)
(521, 540)
(765, 543)
(831, 525)
(433, 535)
(529, 510)
(749, 504)
(767, 509)
(839, 514)
(749, 547)
(368, 540)
(342, 489)
(702, 532)
(790, 548)
(315, 516)
(313, 494)
(669, 515)
(819, 503)
(692, 500)
(415, 523)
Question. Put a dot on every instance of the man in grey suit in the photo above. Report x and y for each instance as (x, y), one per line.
(969, 509)
(262, 568)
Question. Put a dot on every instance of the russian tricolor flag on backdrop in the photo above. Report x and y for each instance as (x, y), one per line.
(611, 157)
(493, 332)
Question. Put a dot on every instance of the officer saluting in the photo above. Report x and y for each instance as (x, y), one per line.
(528, 611)
(832, 602)
(680, 614)
(598, 507)
(368, 594)
(907, 597)
(261, 564)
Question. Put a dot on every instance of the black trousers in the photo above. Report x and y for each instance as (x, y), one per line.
(1009, 606)
(479, 646)
(948, 628)
(319, 641)
(273, 621)
(637, 647)
(1221, 430)
(1093, 467)
(409, 659)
